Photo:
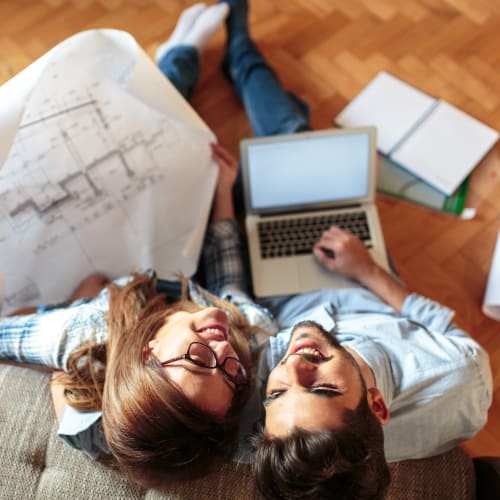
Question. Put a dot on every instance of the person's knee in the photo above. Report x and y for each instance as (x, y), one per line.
(89, 287)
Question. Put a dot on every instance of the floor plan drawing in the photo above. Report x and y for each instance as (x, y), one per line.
(95, 181)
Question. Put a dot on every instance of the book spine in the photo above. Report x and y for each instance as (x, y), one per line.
(414, 127)
(455, 203)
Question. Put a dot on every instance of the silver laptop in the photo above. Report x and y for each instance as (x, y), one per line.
(298, 185)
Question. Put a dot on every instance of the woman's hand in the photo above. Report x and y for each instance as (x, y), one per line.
(228, 171)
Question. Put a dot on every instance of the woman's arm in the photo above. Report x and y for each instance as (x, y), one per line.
(342, 252)
(223, 206)
(81, 430)
(225, 271)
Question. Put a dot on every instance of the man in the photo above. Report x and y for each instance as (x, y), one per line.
(375, 356)
(372, 356)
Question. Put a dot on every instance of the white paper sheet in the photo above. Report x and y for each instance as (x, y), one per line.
(391, 105)
(107, 168)
(491, 303)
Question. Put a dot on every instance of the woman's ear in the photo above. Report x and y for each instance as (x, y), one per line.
(377, 405)
(149, 348)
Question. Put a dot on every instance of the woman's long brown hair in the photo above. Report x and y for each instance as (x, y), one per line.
(149, 425)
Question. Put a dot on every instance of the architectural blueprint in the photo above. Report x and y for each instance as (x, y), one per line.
(98, 179)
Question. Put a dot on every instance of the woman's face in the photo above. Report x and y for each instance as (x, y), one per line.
(208, 389)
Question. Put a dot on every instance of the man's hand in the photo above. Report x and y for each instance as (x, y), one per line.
(228, 171)
(344, 253)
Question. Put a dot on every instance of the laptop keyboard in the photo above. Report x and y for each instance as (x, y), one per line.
(287, 237)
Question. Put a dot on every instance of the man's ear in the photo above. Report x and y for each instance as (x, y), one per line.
(377, 405)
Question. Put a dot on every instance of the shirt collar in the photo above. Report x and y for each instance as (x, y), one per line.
(376, 358)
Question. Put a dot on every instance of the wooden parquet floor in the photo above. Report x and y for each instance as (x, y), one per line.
(326, 51)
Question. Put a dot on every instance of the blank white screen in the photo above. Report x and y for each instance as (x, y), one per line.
(311, 170)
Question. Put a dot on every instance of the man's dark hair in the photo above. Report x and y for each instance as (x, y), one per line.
(347, 463)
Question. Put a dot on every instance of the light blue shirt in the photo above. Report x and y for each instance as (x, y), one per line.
(435, 379)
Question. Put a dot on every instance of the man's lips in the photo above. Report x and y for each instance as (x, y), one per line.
(303, 344)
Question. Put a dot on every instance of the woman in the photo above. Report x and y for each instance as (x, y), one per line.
(169, 372)
(166, 401)
(166, 369)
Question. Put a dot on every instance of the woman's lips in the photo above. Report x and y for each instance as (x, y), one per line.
(214, 332)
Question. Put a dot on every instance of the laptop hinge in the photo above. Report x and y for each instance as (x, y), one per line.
(311, 210)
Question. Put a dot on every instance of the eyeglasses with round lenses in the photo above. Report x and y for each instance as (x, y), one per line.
(202, 355)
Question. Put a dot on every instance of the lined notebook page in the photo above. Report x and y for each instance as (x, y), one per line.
(391, 105)
(446, 147)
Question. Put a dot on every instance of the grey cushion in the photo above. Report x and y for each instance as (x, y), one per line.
(446, 476)
(35, 464)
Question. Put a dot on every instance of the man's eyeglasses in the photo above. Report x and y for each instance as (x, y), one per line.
(202, 355)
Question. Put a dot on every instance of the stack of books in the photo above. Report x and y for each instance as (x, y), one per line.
(428, 147)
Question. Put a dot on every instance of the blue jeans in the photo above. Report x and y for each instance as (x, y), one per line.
(270, 109)
(181, 65)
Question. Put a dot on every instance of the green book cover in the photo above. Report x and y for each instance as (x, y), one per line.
(398, 182)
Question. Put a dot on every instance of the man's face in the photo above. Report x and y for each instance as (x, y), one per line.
(312, 386)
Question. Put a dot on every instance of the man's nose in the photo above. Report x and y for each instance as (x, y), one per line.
(299, 370)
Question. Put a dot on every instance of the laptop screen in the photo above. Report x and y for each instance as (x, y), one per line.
(310, 169)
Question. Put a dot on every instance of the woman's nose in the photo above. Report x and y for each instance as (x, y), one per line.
(222, 349)
(212, 314)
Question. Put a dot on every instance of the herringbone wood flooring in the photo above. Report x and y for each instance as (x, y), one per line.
(326, 51)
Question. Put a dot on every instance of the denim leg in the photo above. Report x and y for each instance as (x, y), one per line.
(181, 65)
(270, 109)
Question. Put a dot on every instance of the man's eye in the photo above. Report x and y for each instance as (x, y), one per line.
(272, 396)
(325, 391)
(320, 390)
(275, 394)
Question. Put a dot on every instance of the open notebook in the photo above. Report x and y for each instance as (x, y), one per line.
(434, 140)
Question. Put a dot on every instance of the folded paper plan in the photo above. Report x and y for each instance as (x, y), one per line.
(98, 151)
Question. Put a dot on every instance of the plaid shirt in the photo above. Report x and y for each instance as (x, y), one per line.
(227, 276)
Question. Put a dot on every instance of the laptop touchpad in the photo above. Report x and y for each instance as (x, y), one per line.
(313, 276)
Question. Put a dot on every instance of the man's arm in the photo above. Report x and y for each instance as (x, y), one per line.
(342, 252)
